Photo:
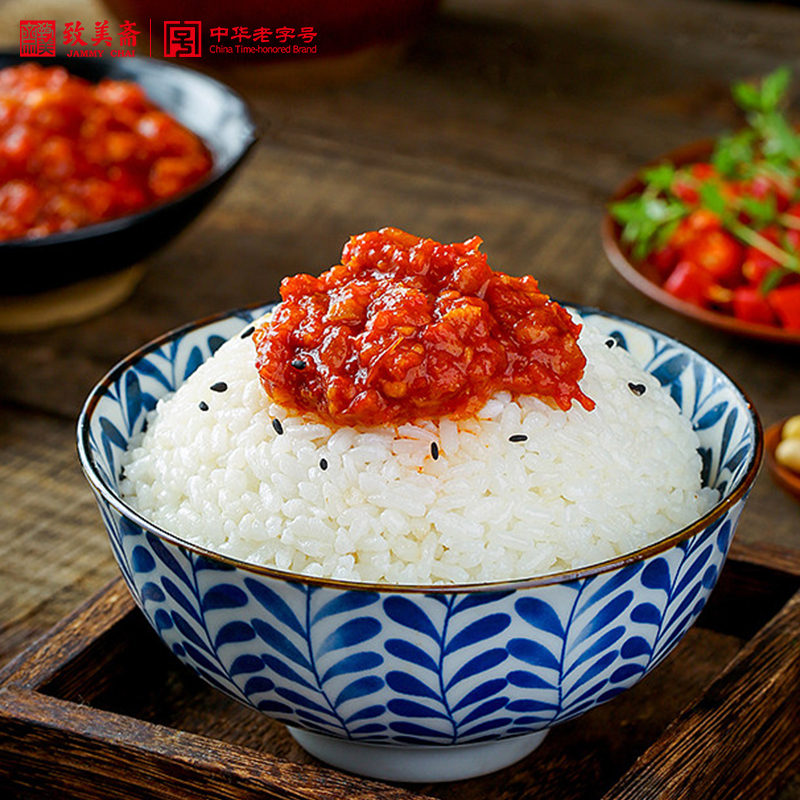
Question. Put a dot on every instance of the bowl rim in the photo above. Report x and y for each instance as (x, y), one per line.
(220, 168)
(580, 573)
(615, 252)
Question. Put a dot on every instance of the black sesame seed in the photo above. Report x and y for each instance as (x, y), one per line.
(276, 423)
(298, 363)
(249, 332)
(202, 405)
(637, 388)
(220, 386)
(518, 437)
(323, 464)
(434, 450)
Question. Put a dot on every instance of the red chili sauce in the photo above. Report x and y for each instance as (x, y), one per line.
(73, 153)
(408, 328)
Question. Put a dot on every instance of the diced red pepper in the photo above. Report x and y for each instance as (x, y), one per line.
(683, 191)
(719, 253)
(794, 210)
(750, 305)
(665, 259)
(757, 264)
(702, 170)
(793, 238)
(691, 283)
(761, 187)
(785, 302)
(692, 226)
(685, 187)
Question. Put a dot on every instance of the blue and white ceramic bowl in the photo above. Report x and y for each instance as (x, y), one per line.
(414, 682)
(72, 275)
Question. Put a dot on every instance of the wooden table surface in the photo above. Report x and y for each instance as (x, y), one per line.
(513, 120)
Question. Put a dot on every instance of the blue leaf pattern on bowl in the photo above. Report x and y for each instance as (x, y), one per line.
(439, 667)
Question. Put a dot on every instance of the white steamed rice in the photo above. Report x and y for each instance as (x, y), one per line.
(374, 505)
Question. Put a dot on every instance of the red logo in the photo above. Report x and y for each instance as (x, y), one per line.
(182, 39)
(37, 37)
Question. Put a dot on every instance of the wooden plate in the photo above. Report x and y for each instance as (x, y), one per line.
(643, 276)
(788, 480)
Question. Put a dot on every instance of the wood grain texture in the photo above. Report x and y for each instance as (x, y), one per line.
(128, 758)
(54, 552)
(507, 119)
(69, 661)
(747, 718)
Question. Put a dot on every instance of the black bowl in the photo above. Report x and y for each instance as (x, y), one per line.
(205, 106)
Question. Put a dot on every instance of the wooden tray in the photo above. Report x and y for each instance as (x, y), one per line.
(99, 709)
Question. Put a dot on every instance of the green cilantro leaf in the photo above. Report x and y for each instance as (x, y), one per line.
(774, 88)
(771, 280)
(660, 177)
(764, 96)
(643, 218)
(733, 154)
(761, 212)
(712, 198)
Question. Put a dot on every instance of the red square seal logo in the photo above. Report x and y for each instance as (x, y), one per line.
(182, 39)
(37, 37)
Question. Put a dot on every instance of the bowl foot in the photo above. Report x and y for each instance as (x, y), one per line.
(68, 304)
(418, 764)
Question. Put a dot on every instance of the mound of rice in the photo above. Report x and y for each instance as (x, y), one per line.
(519, 491)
